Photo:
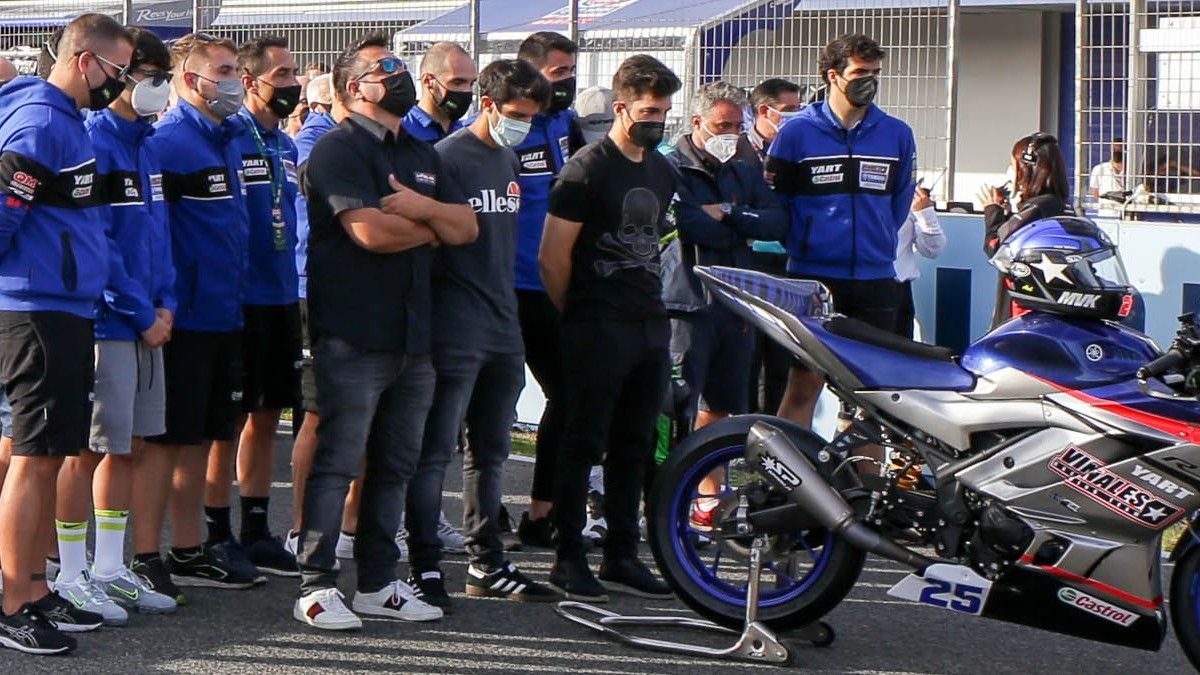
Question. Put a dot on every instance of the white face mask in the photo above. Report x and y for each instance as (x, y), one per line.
(721, 146)
(149, 99)
(507, 132)
(784, 116)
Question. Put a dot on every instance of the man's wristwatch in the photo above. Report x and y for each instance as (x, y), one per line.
(726, 209)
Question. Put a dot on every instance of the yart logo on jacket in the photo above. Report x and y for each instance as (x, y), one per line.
(490, 201)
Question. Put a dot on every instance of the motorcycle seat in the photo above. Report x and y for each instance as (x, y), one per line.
(861, 331)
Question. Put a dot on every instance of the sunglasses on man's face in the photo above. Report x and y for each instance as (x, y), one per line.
(122, 70)
(156, 77)
(389, 65)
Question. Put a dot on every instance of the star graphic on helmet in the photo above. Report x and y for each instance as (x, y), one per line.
(1052, 270)
(1154, 514)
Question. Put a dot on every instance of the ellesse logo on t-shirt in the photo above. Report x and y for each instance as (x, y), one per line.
(490, 201)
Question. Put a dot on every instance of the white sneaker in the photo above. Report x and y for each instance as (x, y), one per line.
(402, 543)
(345, 546)
(396, 601)
(87, 596)
(130, 590)
(291, 544)
(325, 609)
(453, 541)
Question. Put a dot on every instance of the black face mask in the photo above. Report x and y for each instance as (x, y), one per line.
(399, 94)
(106, 93)
(861, 92)
(284, 101)
(455, 104)
(563, 96)
(647, 134)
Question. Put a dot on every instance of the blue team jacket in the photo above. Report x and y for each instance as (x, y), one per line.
(54, 253)
(272, 276)
(206, 202)
(141, 276)
(422, 127)
(848, 191)
(542, 155)
(315, 126)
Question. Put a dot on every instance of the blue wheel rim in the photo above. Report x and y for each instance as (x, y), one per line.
(706, 575)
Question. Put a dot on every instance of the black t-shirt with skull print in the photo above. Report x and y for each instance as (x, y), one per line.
(623, 207)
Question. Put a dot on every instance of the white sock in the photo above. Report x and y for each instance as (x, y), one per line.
(596, 479)
(110, 541)
(72, 549)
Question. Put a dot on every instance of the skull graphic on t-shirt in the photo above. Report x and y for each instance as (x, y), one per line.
(635, 243)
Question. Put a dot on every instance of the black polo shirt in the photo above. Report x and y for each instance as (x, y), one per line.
(374, 301)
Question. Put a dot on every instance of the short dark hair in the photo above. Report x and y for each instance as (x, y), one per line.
(252, 55)
(88, 32)
(148, 49)
(345, 68)
(535, 47)
(768, 91)
(509, 80)
(49, 53)
(837, 54)
(643, 74)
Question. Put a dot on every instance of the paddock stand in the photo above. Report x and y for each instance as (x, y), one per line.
(755, 641)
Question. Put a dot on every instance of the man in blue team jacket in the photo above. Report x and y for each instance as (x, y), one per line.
(54, 260)
(206, 202)
(845, 169)
(553, 138)
(270, 306)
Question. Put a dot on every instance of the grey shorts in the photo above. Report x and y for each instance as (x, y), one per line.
(130, 395)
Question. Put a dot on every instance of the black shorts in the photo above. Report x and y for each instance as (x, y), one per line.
(271, 351)
(873, 301)
(308, 379)
(204, 387)
(713, 348)
(47, 365)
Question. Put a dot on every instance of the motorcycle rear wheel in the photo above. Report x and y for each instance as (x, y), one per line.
(795, 590)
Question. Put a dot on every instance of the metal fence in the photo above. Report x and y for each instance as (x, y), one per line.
(1139, 75)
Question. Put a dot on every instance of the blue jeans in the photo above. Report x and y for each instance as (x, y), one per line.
(481, 387)
(373, 407)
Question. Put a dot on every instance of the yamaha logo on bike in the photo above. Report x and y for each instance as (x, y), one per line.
(777, 470)
(1090, 476)
(1096, 606)
(1094, 352)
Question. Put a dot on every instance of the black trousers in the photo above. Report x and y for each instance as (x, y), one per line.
(771, 361)
(616, 375)
(541, 329)
(907, 312)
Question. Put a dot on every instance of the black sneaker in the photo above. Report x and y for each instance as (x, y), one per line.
(508, 539)
(430, 586)
(154, 573)
(64, 616)
(269, 555)
(573, 578)
(629, 575)
(233, 555)
(507, 582)
(537, 532)
(203, 569)
(28, 631)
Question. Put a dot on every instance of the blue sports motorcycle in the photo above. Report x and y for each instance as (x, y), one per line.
(1029, 479)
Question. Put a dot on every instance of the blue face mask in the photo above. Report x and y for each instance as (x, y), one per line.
(507, 132)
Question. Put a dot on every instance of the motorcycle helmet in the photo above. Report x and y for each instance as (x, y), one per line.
(1065, 265)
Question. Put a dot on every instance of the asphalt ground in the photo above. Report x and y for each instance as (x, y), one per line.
(253, 631)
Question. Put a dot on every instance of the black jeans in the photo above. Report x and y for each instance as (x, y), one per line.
(373, 406)
(907, 313)
(482, 387)
(541, 328)
(615, 375)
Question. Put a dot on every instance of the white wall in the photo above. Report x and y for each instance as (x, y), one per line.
(999, 93)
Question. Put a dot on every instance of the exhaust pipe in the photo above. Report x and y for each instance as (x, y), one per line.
(785, 467)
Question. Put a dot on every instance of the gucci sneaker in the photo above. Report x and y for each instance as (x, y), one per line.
(395, 601)
(325, 609)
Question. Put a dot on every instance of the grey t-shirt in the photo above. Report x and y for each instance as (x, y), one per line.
(474, 301)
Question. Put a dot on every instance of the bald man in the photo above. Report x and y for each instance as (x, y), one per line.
(46, 339)
(7, 71)
(447, 75)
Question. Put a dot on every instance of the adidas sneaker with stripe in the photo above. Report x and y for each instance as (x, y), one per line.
(507, 582)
